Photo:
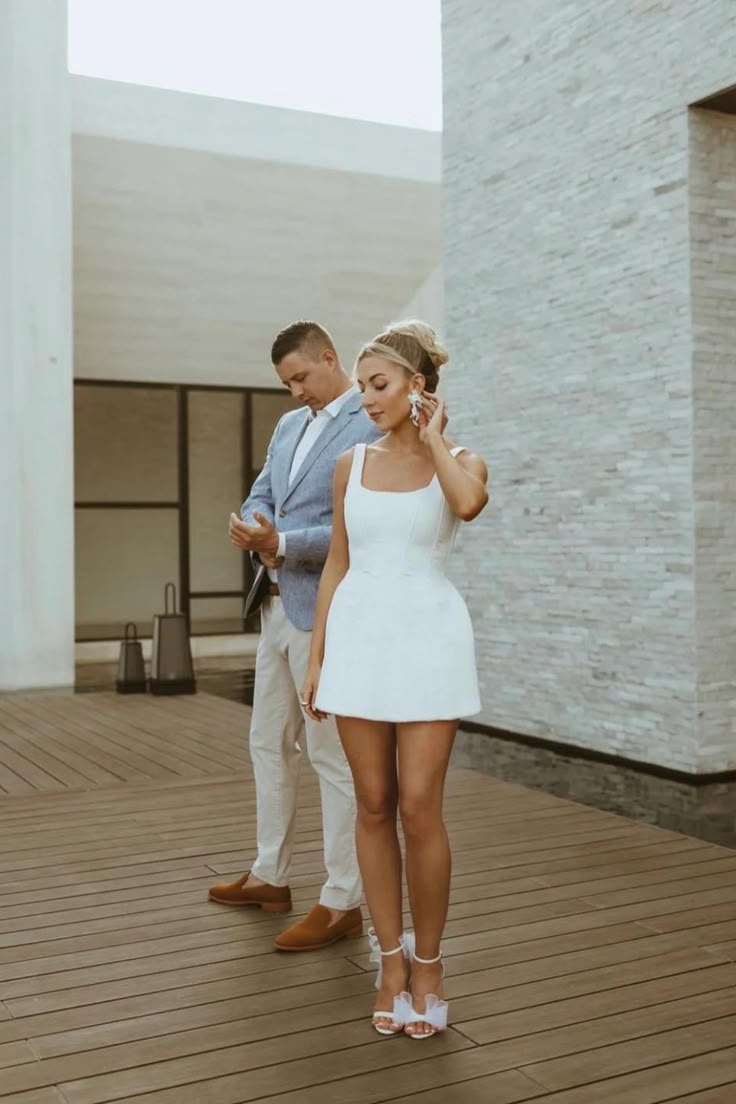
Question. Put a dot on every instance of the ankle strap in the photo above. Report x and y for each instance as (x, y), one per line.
(428, 961)
(387, 954)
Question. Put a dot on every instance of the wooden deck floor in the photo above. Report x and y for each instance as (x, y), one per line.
(590, 959)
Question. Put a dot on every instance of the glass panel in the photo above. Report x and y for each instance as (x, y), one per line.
(124, 558)
(125, 444)
(216, 442)
(216, 615)
(267, 408)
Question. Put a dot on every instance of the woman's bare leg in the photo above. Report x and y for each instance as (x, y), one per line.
(424, 750)
(370, 747)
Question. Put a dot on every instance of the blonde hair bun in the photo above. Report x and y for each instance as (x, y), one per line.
(425, 337)
(413, 345)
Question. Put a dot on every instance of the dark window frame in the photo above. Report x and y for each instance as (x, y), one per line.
(181, 504)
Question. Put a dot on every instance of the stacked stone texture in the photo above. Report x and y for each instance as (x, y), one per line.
(589, 268)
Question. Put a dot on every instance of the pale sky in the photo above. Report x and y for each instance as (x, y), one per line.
(365, 59)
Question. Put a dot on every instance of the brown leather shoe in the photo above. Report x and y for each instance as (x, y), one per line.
(315, 931)
(269, 898)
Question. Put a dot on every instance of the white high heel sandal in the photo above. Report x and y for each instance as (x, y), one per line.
(435, 1010)
(377, 956)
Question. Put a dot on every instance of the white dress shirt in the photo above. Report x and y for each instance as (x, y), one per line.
(318, 422)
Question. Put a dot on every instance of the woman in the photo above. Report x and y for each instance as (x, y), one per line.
(392, 656)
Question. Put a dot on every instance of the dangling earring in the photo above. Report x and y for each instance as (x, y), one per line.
(415, 402)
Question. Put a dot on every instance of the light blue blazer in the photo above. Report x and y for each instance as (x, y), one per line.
(303, 509)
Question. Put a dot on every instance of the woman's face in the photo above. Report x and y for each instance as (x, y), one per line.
(385, 388)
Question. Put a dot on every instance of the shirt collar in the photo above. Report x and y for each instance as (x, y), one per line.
(333, 409)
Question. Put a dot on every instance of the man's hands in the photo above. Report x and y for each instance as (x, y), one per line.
(263, 539)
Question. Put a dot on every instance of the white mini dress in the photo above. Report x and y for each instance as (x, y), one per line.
(399, 641)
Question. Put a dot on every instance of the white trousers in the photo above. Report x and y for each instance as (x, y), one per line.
(279, 730)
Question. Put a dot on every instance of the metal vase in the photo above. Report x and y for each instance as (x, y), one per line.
(131, 668)
(172, 671)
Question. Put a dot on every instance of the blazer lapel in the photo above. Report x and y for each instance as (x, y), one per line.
(328, 434)
(288, 456)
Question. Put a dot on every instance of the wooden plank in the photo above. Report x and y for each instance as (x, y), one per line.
(669, 868)
(233, 1018)
(90, 894)
(516, 1014)
(600, 980)
(39, 1096)
(695, 884)
(123, 970)
(645, 858)
(69, 884)
(629, 1091)
(67, 1010)
(12, 783)
(30, 745)
(110, 980)
(96, 758)
(132, 956)
(585, 1044)
(666, 1082)
(180, 754)
(587, 955)
(204, 1007)
(455, 1078)
(185, 731)
(722, 1095)
(15, 1054)
(614, 1059)
(183, 1059)
(726, 949)
(132, 742)
(694, 917)
(496, 1087)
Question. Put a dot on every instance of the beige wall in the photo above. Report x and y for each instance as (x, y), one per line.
(186, 263)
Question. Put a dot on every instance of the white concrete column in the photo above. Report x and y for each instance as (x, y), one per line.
(36, 411)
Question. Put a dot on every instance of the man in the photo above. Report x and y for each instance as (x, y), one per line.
(286, 524)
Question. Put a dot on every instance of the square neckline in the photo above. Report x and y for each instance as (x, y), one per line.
(370, 490)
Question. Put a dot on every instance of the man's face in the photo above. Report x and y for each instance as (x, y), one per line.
(309, 377)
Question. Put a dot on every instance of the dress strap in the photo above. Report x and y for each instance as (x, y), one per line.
(457, 450)
(356, 468)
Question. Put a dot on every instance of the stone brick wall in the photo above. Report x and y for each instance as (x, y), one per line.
(713, 250)
(568, 308)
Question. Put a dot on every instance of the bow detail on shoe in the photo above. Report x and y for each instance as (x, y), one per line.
(435, 1014)
(375, 946)
(377, 955)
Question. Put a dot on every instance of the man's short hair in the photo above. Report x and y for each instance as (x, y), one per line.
(307, 337)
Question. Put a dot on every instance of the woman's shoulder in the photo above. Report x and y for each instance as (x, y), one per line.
(349, 455)
(346, 459)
